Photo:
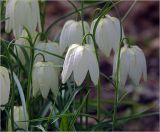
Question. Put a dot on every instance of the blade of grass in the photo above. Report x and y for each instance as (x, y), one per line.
(78, 112)
(20, 90)
(136, 116)
(71, 99)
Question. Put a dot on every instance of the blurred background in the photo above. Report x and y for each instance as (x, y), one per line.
(142, 27)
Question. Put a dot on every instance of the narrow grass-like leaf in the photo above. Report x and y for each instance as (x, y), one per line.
(21, 96)
(78, 112)
(136, 116)
(75, 92)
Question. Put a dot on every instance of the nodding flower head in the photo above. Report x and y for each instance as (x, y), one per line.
(108, 34)
(72, 33)
(20, 14)
(79, 60)
(44, 78)
(132, 64)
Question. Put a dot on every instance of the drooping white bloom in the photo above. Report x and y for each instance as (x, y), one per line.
(19, 119)
(107, 34)
(79, 60)
(132, 64)
(44, 78)
(4, 86)
(72, 33)
(20, 14)
(51, 47)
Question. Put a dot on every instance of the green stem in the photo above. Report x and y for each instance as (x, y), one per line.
(82, 15)
(50, 115)
(81, 93)
(98, 100)
(81, 99)
(76, 10)
(104, 11)
(28, 98)
(117, 72)
(43, 57)
(87, 89)
(29, 82)
(129, 10)
(43, 13)
(95, 13)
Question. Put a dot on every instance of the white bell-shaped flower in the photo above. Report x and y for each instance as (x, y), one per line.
(4, 86)
(108, 33)
(20, 14)
(52, 47)
(132, 64)
(72, 33)
(19, 119)
(44, 78)
(79, 60)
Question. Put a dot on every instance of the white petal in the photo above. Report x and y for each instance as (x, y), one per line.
(68, 63)
(80, 65)
(18, 18)
(54, 82)
(114, 65)
(64, 36)
(4, 86)
(2, 92)
(93, 67)
(9, 10)
(34, 14)
(141, 62)
(109, 35)
(116, 33)
(44, 81)
(124, 65)
(134, 73)
(35, 82)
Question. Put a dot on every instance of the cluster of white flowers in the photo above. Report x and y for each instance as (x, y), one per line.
(79, 59)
